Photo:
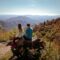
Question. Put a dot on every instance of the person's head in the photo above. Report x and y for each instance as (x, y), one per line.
(28, 25)
(19, 27)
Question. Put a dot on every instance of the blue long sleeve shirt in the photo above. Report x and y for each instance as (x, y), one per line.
(29, 33)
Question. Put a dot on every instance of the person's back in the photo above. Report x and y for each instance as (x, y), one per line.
(28, 33)
(17, 41)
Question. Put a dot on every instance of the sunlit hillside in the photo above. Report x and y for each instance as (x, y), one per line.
(5, 35)
(50, 31)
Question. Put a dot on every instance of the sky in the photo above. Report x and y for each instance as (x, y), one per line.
(29, 7)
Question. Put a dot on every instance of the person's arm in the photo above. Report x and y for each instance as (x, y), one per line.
(25, 30)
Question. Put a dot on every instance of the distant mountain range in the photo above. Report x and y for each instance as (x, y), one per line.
(10, 21)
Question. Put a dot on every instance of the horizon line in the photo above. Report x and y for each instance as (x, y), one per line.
(32, 14)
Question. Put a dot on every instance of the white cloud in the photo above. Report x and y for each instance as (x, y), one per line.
(25, 11)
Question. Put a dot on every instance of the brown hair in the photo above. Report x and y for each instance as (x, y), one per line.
(28, 25)
(20, 27)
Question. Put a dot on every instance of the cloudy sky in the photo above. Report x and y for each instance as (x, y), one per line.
(29, 7)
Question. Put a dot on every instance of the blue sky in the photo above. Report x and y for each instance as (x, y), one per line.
(29, 7)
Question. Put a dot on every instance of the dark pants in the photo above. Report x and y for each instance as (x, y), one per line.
(26, 38)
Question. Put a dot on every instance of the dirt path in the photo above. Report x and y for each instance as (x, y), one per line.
(3, 50)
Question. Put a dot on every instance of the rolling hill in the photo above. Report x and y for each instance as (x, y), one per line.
(12, 21)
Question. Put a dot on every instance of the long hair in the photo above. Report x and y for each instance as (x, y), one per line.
(19, 27)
